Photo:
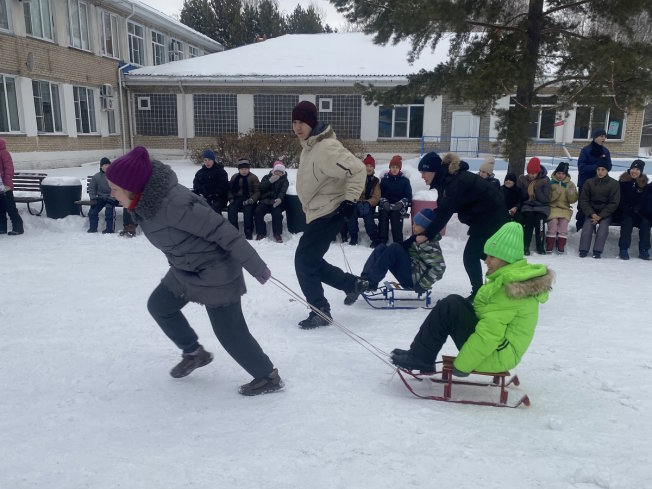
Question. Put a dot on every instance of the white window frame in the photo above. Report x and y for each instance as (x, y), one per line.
(604, 124)
(38, 19)
(407, 129)
(13, 125)
(111, 125)
(55, 118)
(112, 21)
(541, 107)
(193, 51)
(325, 108)
(6, 18)
(83, 95)
(143, 103)
(176, 52)
(158, 48)
(136, 43)
(78, 24)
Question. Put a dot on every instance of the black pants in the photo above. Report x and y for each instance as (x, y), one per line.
(8, 206)
(579, 215)
(228, 324)
(247, 214)
(534, 221)
(474, 249)
(385, 218)
(277, 218)
(627, 224)
(311, 268)
(452, 316)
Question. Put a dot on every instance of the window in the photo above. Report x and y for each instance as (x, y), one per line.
(136, 35)
(38, 18)
(47, 106)
(156, 114)
(176, 50)
(78, 18)
(84, 110)
(542, 116)
(110, 38)
(158, 47)
(273, 113)
(193, 51)
(587, 119)
(215, 113)
(8, 104)
(342, 112)
(401, 121)
(110, 114)
(4, 15)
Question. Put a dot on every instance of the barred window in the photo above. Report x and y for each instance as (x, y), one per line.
(158, 117)
(342, 112)
(273, 113)
(215, 113)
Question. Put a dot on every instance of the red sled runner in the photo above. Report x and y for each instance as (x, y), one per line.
(445, 377)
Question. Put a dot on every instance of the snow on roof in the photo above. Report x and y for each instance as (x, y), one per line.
(349, 54)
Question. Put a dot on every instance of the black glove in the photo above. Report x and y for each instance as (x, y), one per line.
(459, 373)
(397, 207)
(384, 203)
(346, 208)
(113, 202)
(248, 202)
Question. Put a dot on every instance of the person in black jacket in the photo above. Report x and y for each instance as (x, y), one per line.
(477, 203)
(212, 182)
(632, 191)
(486, 171)
(273, 187)
(587, 165)
(512, 195)
(395, 198)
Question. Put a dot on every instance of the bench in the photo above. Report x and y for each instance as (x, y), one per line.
(31, 183)
(83, 202)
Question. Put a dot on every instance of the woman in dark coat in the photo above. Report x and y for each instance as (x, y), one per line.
(477, 203)
(206, 256)
(272, 194)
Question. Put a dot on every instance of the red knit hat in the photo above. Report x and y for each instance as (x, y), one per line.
(305, 112)
(396, 161)
(534, 165)
(131, 171)
(369, 160)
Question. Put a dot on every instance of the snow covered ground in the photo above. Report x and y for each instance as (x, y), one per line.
(86, 400)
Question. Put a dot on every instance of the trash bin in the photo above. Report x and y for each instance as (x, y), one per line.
(59, 196)
(294, 214)
(417, 205)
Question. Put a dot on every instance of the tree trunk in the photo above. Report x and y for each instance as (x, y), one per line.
(519, 122)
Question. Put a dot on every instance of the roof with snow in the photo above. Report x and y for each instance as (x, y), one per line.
(345, 56)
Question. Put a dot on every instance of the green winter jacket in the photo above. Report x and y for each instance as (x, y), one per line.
(426, 262)
(507, 308)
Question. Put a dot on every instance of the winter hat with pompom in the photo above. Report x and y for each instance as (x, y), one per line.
(131, 171)
(396, 160)
(534, 165)
(369, 160)
(279, 166)
(487, 165)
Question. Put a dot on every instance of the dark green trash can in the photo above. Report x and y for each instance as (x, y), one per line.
(59, 196)
(296, 219)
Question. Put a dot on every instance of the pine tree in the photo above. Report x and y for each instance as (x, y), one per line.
(199, 15)
(302, 21)
(519, 48)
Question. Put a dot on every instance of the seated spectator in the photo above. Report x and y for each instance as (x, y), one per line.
(244, 192)
(396, 196)
(494, 331)
(563, 194)
(100, 195)
(273, 187)
(599, 200)
(212, 182)
(632, 190)
(511, 194)
(416, 266)
(487, 171)
(366, 205)
(535, 204)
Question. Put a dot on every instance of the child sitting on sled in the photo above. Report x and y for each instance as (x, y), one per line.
(494, 331)
(415, 266)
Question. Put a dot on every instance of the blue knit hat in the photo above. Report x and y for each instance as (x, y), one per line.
(207, 153)
(598, 132)
(430, 162)
(424, 218)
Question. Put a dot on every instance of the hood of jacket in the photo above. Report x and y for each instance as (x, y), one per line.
(641, 181)
(160, 182)
(319, 132)
(522, 279)
(3, 144)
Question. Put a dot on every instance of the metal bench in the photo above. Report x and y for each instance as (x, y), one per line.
(83, 202)
(29, 183)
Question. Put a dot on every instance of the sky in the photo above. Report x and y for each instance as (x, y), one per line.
(332, 17)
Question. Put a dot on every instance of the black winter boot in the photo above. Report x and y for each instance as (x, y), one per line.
(270, 383)
(361, 285)
(190, 362)
(406, 360)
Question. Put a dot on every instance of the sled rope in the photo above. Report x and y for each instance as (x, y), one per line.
(382, 355)
(346, 261)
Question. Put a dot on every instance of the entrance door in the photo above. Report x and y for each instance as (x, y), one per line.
(465, 131)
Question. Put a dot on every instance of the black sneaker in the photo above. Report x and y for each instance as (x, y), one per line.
(361, 285)
(265, 385)
(409, 362)
(354, 240)
(584, 254)
(15, 233)
(190, 362)
(315, 321)
(597, 255)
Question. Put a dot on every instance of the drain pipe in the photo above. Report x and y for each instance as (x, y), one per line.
(121, 81)
(185, 121)
(122, 115)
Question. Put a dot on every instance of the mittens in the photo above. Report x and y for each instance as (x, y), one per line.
(273, 178)
(265, 275)
(346, 208)
(248, 202)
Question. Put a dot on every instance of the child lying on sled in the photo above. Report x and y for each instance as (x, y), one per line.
(415, 266)
(494, 331)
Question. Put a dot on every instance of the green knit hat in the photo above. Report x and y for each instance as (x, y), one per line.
(507, 243)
